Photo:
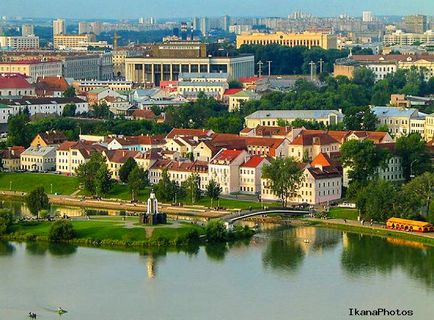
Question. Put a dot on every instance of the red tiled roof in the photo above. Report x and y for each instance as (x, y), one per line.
(170, 165)
(120, 156)
(13, 81)
(188, 132)
(325, 173)
(139, 140)
(249, 79)
(253, 162)
(13, 152)
(311, 139)
(265, 142)
(226, 155)
(231, 91)
(50, 84)
(144, 114)
(272, 131)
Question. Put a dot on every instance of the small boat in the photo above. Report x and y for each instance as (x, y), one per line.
(61, 311)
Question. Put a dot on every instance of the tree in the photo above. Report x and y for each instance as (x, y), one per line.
(6, 220)
(360, 118)
(94, 175)
(422, 188)
(192, 187)
(234, 84)
(61, 230)
(285, 178)
(364, 77)
(164, 189)
(69, 110)
(37, 200)
(362, 158)
(103, 180)
(414, 156)
(19, 131)
(376, 200)
(69, 92)
(215, 231)
(126, 169)
(137, 180)
(213, 190)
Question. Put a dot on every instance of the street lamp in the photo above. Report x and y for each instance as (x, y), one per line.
(411, 168)
(51, 188)
(10, 185)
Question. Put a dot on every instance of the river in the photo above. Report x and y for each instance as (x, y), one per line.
(286, 273)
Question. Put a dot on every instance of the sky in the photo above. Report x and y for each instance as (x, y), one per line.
(123, 9)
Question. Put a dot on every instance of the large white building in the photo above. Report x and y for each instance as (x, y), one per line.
(19, 42)
(38, 159)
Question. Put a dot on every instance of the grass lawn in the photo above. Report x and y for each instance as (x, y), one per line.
(343, 213)
(121, 191)
(109, 229)
(26, 182)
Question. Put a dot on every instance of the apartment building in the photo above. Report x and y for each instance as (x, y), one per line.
(63, 41)
(19, 42)
(71, 154)
(305, 39)
(429, 127)
(39, 159)
(51, 138)
(115, 85)
(32, 68)
(11, 158)
(15, 84)
(116, 158)
(251, 174)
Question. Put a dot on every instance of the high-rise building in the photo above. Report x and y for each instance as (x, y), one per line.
(95, 27)
(416, 24)
(83, 27)
(27, 30)
(196, 23)
(59, 27)
(226, 23)
(141, 20)
(367, 16)
(204, 25)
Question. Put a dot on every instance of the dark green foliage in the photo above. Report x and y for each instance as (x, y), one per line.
(6, 220)
(37, 200)
(95, 176)
(126, 169)
(69, 92)
(215, 231)
(137, 180)
(376, 200)
(360, 118)
(415, 159)
(19, 130)
(61, 230)
(213, 190)
(69, 110)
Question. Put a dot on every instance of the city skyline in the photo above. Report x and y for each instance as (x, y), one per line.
(173, 8)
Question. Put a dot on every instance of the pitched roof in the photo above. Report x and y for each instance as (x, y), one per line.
(311, 139)
(51, 84)
(188, 132)
(86, 148)
(13, 81)
(272, 131)
(38, 151)
(253, 162)
(120, 156)
(144, 114)
(13, 152)
(232, 91)
(265, 142)
(53, 137)
(139, 140)
(171, 165)
(226, 156)
(292, 114)
(324, 173)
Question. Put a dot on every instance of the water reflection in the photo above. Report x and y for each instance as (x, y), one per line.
(287, 248)
(55, 249)
(367, 254)
(6, 248)
(216, 251)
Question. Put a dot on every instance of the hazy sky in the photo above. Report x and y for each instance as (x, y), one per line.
(187, 8)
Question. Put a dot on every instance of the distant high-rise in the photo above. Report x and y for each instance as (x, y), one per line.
(27, 30)
(83, 27)
(367, 16)
(204, 25)
(226, 23)
(196, 23)
(95, 27)
(416, 24)
(59, 27)
(141, 20)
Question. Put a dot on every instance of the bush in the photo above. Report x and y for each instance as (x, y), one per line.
(215, 231)
(61, 230)
(6, 220)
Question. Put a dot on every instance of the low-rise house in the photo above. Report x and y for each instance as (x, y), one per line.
(71, 154)
(251, 174)
(119, 106)
(237, 99)
(51, 86)
(98, 95)
(321, 184)
(267, 132)
(149, 115)
(135, 143)
(15, 84)
(11, 158)
(224, 168)
(272, 117)
(116, 158)
(270, 147)
(179, 171)
(51, 138)
(208, 148)
(306, 146)
(38, 159)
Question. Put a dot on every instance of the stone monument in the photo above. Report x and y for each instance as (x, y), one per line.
(152, 215)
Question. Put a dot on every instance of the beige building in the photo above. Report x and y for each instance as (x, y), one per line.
(272, 117)
(192, 88)
(38, 159)
(63, 41)
(251, 174)
(59, 27)
(70, 155)
(429, 127)
(116, 158)
(19, 42)
(306, 39)
(408, 39)
(401, 121)
(10, 158)
(33, 68)
(237, 99)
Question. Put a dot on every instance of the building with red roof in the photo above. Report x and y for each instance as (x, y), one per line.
(15, 84)
(251, 174)
(71, 154)
(51, 86)
(10, 158)
(32, 68)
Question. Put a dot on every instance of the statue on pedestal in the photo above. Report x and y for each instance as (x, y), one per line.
(152, 215)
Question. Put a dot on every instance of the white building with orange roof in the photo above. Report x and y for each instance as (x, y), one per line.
(270, 147)
(308, 146)
(224, 168)
(71, 154)
(251, 173)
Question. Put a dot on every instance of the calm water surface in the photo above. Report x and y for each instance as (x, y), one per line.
(275, 276)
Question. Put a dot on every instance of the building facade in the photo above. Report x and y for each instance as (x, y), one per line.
(305, 39)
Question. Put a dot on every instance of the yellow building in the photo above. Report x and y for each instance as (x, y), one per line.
(424, 63)
(73, 41)
(32, 68)
(306, 39)
(429, 127)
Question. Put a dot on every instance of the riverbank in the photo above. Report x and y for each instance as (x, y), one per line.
(376, 230)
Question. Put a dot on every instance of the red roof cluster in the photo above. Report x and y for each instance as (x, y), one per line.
(13, 81)
(253, 162)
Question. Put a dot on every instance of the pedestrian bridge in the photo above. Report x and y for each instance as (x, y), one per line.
(230, 219)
